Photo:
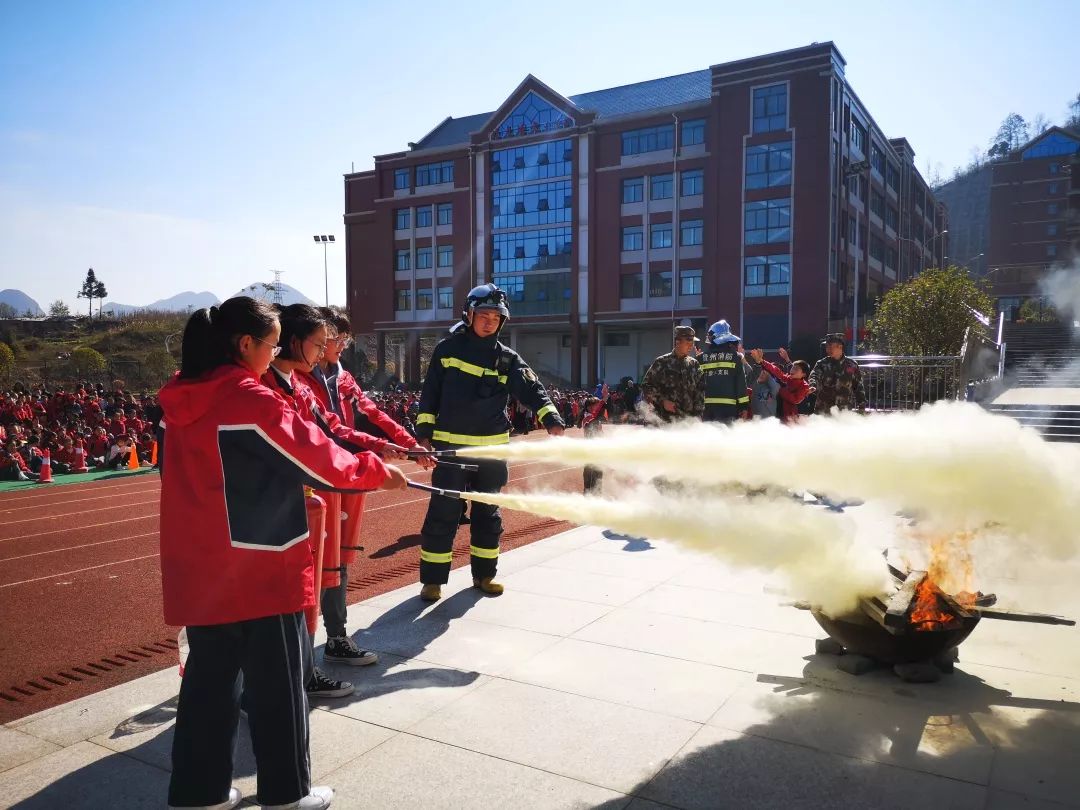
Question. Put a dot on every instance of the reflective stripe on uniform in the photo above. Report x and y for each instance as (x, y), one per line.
(744, 400)
(425, 419)
(433, 557)
(463, 438)
(540, 414)
(471, 368)
(722, 400)
(484, 553)
(717, 364)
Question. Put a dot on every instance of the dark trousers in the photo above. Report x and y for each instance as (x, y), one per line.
(594, 478)
(274, 655)
(333, 606)
(725, 414)
(444, 515)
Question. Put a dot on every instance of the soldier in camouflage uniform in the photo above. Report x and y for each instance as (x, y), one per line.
(837, 380)
(673, 385)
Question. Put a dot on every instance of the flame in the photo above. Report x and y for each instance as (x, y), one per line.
(929, 612)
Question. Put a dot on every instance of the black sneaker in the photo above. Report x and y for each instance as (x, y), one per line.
(323, 686)
(343, 650)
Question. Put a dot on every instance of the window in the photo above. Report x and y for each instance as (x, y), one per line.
(632, 238)
(1054, 168)
(1052, 209)
(768, 165)
(423, 298)
(446, 214)
(523, 164)
(631, 286)
(423, 217)
(401, 178)
(431, 174)
(547, 294)
(1052, 229)
(617, 339)
(690, 282)
(693, 132)
(1052, 188)
(891, 257)
(534, 204)
(401, 301)
(660, 284)
(770, 108)
(1051, 250)
(877, 248)
(650, 139)
(892, 177)
(877, 203)
(858, 136)
(545, 249)
(892, 218)
(403, 260)
(660, 236)
(853, 231)
(767, 276)
(660, 187)
(690, 232)
(633, 189)
(402, 217)
(877, 159)
(767, 221)
(423, 258)
(693, 182)
(446, 297)
(446, 256)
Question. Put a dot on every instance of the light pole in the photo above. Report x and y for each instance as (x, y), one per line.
(966, 261)
(324, 240)
(923, 245)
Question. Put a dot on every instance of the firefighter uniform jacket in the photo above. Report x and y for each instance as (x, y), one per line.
(467, 389)
(725, 376)
(234, 523)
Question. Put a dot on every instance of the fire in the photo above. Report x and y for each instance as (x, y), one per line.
(929, 611)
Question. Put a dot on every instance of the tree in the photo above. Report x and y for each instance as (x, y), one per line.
(928, 315)
(58, 309)
(1034, 310)
(1039, 124)
(158, 366)
(7, 310)
(7, 362)
(88, 289)
(99, 293)
(1073, 121)
(1012, 134)
(87, 362)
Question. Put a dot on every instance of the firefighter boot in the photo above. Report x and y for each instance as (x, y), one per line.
(488, 585)
(431, 593)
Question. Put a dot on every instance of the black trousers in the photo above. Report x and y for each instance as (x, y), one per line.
(725, 414)
(444, 515)
(274, 655)
(333, 606)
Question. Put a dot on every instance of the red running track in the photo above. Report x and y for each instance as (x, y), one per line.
(80, 585)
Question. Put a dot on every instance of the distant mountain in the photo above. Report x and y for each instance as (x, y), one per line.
(265, 292)
(181, 302)
(20, 302)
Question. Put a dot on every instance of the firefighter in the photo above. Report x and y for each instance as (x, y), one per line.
(463, 404)
(722, 368)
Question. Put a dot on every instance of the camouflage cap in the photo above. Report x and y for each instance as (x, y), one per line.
(686, 333)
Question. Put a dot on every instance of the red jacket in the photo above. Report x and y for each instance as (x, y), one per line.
(791, 393)
(233, 518)
(354, 400)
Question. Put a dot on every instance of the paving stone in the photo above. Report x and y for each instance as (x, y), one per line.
(17, 748)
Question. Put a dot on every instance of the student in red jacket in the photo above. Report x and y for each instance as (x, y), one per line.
(338, 393)
(236, 567)
(794, 388)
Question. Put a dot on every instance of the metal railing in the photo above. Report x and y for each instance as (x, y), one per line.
(902, 383)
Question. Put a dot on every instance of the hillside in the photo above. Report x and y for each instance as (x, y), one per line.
(20, 303)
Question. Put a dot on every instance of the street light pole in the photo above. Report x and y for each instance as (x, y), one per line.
(324, 240)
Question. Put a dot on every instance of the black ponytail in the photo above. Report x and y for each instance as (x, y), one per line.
(211, 335)
(298, 321)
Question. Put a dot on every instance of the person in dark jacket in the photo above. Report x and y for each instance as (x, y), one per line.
(837, 380)
(463, 404)
(236, 565)
(722, 368)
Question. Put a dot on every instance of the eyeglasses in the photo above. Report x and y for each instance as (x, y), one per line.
(274, 352)
(343, 342)
(320, 346)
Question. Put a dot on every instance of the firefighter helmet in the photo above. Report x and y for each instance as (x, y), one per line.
(720, 333)
(486, 296)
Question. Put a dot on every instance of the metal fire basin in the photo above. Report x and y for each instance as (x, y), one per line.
(861, 635)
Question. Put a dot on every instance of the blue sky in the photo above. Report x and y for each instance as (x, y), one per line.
(199, 145)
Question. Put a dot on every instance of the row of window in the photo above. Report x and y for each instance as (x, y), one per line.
(427, 174)
(662, 137)
(544, 294)
(403, 258)
(524, 251)
(631, 285)
(537, 204)
(691, 232)
(425, 296)
(443, 213)
(538, 161)
(661, 186)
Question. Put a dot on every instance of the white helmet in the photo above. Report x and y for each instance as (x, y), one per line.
(720, 333)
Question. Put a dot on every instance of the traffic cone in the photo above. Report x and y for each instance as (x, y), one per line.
(45, 476)
(80, 457)
(133, 458)
(153, 455)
